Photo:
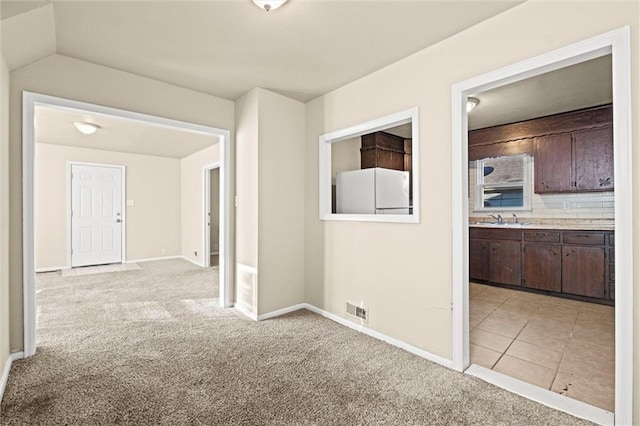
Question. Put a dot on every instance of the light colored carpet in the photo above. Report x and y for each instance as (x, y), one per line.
(152, 347)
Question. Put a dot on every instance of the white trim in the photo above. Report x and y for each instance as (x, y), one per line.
(51, 269)
(244, 311)
(282, 311)
(191, 261)
(380, 336)
(325, 141)
(206, 206)
(153, 259)
(617, 43)
(29, 101)
(123, 201)
(15, 356)
(7, 369)
(5, 375)
(543, 396)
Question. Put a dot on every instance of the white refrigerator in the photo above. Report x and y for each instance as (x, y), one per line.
(372, 191)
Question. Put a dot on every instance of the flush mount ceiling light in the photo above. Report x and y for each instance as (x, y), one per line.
(472, 103)
(269, 4)
(86, 128)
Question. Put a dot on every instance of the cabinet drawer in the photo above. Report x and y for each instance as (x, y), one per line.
(583, 238)
(495, 234)
(542, 236)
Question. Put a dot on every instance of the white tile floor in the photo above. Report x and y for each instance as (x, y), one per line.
(100, 269)
(563, 345)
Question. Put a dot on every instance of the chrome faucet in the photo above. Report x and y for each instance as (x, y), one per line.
(515, 218)
(498, 218)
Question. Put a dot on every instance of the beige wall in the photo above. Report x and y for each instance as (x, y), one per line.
(4, 213)
(193, 230)
(152, 223)
(246, 165)
(70, 78)
(403, 272)
(214, 206)
(270, 213)
(281, 151)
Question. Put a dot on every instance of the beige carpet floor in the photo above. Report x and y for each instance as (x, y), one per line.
(152, 347)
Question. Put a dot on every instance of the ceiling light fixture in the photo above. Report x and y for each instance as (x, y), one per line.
(472, 103)
(86, 128)
(269, 4)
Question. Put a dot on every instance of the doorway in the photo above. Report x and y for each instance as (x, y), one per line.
(96, 214)
(33, 100)
(211, 199)
(615, 43)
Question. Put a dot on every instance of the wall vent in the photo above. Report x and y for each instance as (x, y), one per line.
(358, 311)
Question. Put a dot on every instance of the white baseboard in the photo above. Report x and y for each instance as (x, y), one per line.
(380, 336)
(191, 261)
(282, 311)
(214, 253)
(369, 332)
(51, 269)
(247, 313)
(153, 259)
(543, 396)
(6, 369)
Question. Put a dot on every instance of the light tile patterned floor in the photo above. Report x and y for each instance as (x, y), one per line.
(100, 269)
(563, 345)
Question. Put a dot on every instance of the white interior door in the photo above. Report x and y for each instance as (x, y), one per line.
(96, 215)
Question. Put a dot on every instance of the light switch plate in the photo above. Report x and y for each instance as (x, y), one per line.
(131, 203)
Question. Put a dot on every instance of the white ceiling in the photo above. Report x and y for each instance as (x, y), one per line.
(225, 48)
(579, 86)
(55, 126)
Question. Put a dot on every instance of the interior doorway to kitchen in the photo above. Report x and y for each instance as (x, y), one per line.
(512, 241)
(212, 214)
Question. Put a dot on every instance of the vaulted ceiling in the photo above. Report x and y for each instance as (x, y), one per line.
(225, 48)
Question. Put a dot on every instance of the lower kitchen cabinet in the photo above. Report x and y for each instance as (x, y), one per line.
(505, 263)
(542, 266)
(583, 271)
(572, 263)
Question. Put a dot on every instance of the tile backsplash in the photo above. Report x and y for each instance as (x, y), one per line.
(585, 205)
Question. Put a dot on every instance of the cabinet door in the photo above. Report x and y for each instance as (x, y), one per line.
(505, 262)
(583, 271)
(478, 259)
(542, 266)
(552, 164)
(593, 158)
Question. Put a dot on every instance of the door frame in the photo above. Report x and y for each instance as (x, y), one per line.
(29, 102)
(123, 242)
(206, 204)
(617, 43)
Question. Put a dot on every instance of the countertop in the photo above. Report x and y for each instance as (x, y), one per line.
(568, 225)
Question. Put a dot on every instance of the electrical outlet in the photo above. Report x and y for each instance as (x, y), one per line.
(164, 251)
(566, 205)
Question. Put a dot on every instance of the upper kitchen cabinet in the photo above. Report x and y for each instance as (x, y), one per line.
(579, 161)
(573, 151)
(382, 149)
(552, 166)
(593, 159)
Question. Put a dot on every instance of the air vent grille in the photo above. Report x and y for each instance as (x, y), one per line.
(357, 311)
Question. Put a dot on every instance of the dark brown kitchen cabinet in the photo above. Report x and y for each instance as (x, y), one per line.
(552, 165)
(479, 259)
(542, 266)
(494, 255)
(505, 262)
(576, 264)
(579, 161)
(583, 270)
(382, 149)
(593, 159)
